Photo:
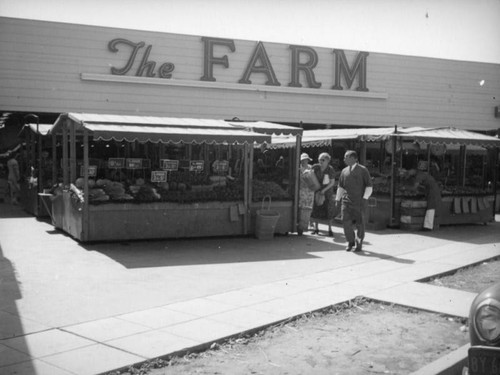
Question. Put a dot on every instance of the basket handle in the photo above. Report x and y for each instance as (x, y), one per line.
(268, 203)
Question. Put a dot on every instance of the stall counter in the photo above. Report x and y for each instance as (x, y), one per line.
(454, 209)
(134, 221)
(30, 201)
(467, 209)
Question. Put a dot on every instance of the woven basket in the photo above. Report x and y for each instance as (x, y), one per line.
(266, 221)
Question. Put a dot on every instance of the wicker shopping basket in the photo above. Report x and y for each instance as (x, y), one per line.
(266, 220)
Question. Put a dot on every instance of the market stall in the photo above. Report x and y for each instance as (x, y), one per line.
(274, 174)
(37, 167)
(466, 161)
(136, 177)
(464, 164)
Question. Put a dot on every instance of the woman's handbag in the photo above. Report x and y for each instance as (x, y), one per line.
(311, 180)
(319, 198)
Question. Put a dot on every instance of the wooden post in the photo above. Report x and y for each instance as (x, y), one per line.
(428, 158)
(394, 139)
(39, 163)
(246, 189)
(296, 181)
(463, 163)
(54, 159)
(72, 152)
(65, 153)
(29, 148)
(362, 158)
(85, 211)
(494, 178)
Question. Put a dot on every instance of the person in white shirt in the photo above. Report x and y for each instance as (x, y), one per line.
(306, 193)
(354, 189)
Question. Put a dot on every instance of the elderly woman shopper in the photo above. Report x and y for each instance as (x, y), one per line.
(324, 208)
(308, 184)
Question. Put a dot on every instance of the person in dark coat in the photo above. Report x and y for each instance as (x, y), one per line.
(354, 189)
(432, 194)
(13, 179)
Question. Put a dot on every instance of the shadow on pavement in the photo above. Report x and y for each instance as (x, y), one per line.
(10, 323)
(223, 250)
(186, 252)
(372, 254)
(9, 211)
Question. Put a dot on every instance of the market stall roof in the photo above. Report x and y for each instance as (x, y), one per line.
(159, 129)
(268, 127)
(450, 135)
(43, 129)
(324, 137)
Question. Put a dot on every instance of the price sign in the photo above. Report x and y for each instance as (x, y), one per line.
(169, 165)
(159, 176)
(220, 166)
(116, 163)
(92, 170)
(134, 163)
(197, 165)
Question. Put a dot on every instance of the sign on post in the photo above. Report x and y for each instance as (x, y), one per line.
(159, 176)
(196, 165)
(116, 163)
(133, 163)
(92, 170)
(169, 164)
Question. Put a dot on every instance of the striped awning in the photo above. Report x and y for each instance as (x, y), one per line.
(449, 136)
(268, 127)
(159, 129)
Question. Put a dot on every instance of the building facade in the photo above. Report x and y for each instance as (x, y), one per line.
(48, 67)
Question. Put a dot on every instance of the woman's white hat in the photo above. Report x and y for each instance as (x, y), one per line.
(304, 156)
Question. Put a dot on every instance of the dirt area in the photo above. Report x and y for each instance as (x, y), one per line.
(359, 337)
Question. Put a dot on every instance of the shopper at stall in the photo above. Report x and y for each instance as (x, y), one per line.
(308, 184)
(13, 178)
(355, 187)
(432, 195)
(324, 203)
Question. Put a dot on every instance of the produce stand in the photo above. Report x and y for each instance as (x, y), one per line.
(277, 175)
(38, 173)
(469, 181)
(140, 177)
(468, 178)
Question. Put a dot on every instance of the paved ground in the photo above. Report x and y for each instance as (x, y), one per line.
(71, 308)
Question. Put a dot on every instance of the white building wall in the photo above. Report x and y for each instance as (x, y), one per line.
(42, 65)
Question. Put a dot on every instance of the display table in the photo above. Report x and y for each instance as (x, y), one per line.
(30, 201)
(379, 212)
(467, 209)
(139, 221)
(455, 209)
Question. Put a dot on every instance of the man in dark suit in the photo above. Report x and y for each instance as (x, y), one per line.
(354, 189)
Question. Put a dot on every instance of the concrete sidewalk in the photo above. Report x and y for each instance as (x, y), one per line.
(71, 308)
